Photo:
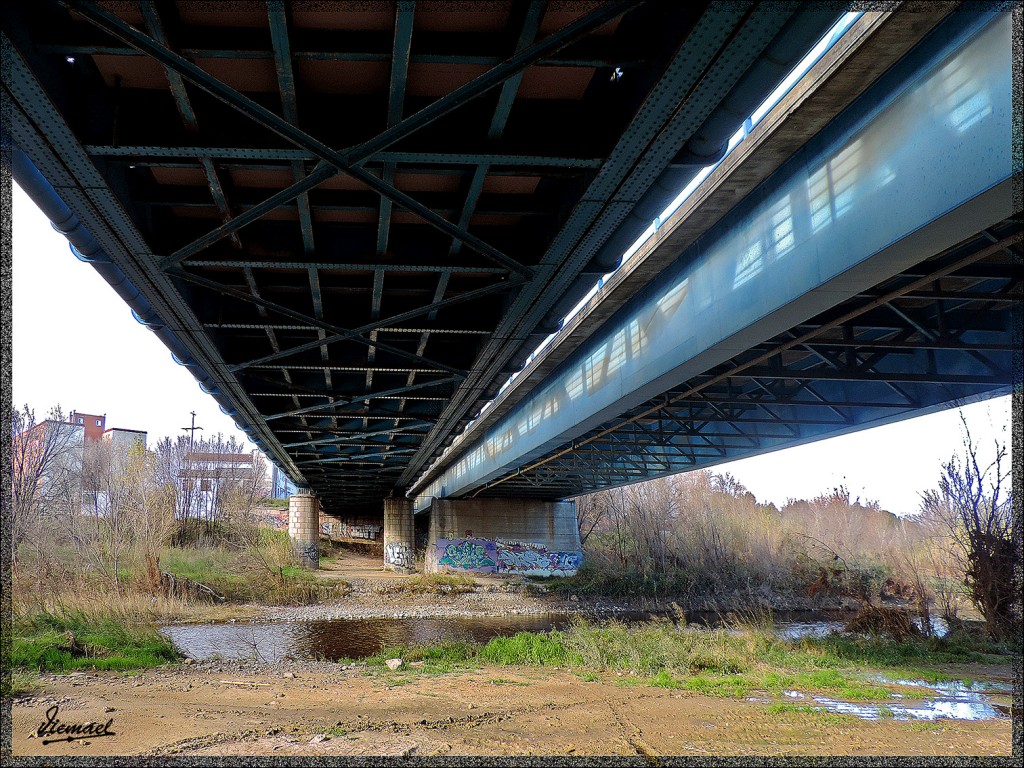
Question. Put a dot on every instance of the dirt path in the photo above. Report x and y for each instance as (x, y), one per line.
(219, 708)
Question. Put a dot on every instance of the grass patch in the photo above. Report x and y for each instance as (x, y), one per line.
(52, 642)
(216, 567)
(506, 681)
(227, 572)
(712, 662)
(22, 683)
(630, 681)
(910, 653)
(305, 589)
(440, 658)
(531, 648)
(650, 647)
(664, 679)
(726, 686)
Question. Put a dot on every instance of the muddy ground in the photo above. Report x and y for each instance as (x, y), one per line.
(220, 708)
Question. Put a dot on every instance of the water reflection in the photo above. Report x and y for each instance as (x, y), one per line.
(357, 638)
(343, 638)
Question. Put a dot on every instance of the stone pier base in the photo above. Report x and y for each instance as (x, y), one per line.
(399, 535)
(304, 528)
(503, 536)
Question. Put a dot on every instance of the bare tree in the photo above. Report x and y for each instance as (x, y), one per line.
(590, 510)
(975, 506)
(45, 467)
(150, 511)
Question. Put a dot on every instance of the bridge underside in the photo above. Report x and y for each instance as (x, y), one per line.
(354, 222)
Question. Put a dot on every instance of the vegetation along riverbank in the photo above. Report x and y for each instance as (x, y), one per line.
(91, 592)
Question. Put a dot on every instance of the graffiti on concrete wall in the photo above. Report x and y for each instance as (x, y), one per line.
(338, 530)
(535, 559)
(311, 554)
(467, 554)
(366, 531)
(490, 556)
(399, 555)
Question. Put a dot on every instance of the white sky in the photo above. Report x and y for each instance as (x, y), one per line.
(76, 343)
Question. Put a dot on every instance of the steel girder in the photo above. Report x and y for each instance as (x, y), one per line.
(940, 335)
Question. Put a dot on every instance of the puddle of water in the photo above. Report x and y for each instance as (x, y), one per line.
(795, 630)
(934, 709)
(956, 701)
(358, 638)
(955, 688)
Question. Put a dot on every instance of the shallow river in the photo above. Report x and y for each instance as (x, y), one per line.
(358, 638)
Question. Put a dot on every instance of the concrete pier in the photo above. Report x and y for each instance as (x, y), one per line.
(503, 536)
(399, 535)
(304, 527)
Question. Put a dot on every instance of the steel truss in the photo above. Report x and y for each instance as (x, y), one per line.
(359, 287)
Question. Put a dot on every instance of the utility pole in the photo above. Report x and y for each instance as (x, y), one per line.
(190, 459)
(191, 431)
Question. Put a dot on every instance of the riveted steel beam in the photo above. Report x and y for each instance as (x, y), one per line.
(439, 159)
(377, 324)
(343, 400)
(282, 310)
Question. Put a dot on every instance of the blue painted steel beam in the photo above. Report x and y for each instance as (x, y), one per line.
(923, 162)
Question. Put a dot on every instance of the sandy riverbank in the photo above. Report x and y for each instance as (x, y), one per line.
(309, 708)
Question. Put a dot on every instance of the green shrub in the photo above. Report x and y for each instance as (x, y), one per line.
(51, 642)
(540, 649)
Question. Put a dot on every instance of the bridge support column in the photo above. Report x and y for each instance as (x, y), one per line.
(521, 537)
(304, 527)
(399, 535)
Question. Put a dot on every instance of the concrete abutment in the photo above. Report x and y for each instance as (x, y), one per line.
(522, 537)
